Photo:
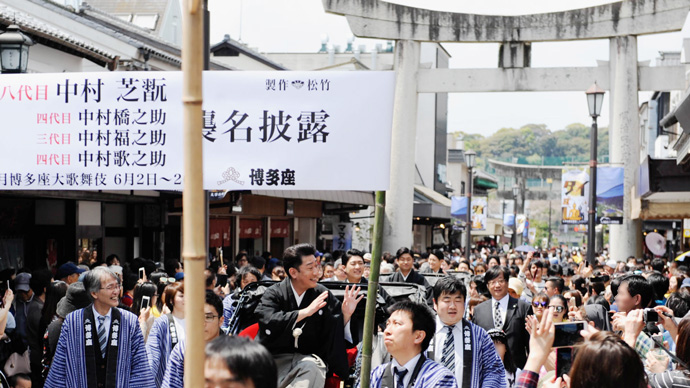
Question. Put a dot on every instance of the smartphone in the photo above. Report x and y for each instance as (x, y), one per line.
(564, 360)
(145, 301)
(221, 280)
(568, 333)
(141, 273)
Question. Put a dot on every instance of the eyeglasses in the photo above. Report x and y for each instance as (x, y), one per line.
(558, 309)
(499, 282)
(112, 287)
(542, 304)
(209, 317)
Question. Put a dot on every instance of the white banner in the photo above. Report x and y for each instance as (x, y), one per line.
(342, 236)
(261, 130)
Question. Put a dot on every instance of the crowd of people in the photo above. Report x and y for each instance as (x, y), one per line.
(487, 320)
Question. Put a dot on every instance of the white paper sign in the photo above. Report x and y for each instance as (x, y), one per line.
(261, 130)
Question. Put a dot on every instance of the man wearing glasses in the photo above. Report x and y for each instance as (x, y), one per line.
(302, 324)
(213, 319)
(100, 345)
(504, 312)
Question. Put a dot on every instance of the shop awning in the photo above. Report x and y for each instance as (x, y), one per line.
(429, 204)
(338, 196)
(484, 180)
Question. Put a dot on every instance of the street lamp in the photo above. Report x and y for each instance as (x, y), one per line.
(595, 100)
(469, 160)
(516, 191)
(14, 50)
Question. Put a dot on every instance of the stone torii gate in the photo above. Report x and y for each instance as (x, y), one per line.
(620, 22)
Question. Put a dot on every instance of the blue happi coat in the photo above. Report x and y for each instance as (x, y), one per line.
(174, 373)
(159, 347)
(487, 367)
(431, 375)
(68, 369)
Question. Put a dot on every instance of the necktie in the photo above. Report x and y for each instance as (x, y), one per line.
(400, 373)
(448, 358)
(498, 320)
(102, 335)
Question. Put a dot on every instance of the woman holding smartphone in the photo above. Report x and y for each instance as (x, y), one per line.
(145, 297)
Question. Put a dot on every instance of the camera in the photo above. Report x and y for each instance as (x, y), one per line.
(650, 315)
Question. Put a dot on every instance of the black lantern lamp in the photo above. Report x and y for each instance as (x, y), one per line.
(14, 50)
(595, 100)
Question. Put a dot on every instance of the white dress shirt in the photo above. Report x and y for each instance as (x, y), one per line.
(106, 323)
(410, 369)
(440, 340)
(502, 305)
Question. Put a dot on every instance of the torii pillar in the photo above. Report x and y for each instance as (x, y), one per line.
(624, 127)
(397, 227)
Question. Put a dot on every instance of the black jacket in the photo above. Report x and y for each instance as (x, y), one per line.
(412, 277)
(322, 333)
(514, 326)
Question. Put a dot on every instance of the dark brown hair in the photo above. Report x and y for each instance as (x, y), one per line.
(683, 342)
(169, 294)
(606, 361)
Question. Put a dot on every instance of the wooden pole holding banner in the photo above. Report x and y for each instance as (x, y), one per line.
(193, 223)
(372, 292)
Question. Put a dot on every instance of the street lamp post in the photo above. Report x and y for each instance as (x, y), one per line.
(14, 50)
(595, 99)
(516, 191)
(469, 160)
(548, 240)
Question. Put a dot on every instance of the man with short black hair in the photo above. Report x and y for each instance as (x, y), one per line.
(213, 319)
(100, 345)
(634, 292)
(459, 345)
(302, 324)
(408, 333)
(405, 272)
(435, 259)
(554, 286)
(354, 268)
(506, 313)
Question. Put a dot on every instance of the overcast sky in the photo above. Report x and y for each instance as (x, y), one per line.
(299, 26)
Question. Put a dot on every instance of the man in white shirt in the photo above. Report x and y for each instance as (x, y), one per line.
(505, 312)
(459, 345)
(408, 333)
(100, 345)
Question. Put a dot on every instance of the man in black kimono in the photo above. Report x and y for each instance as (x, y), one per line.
(406, 272)
(354, 268)
(302, 324)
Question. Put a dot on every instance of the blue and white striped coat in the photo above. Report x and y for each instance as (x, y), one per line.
(431, 375)
(159, 347)
(68, 368)
(174, 373)
(487, 368)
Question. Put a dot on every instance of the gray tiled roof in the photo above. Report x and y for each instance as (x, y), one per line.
(130, 6)
(40, 30)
